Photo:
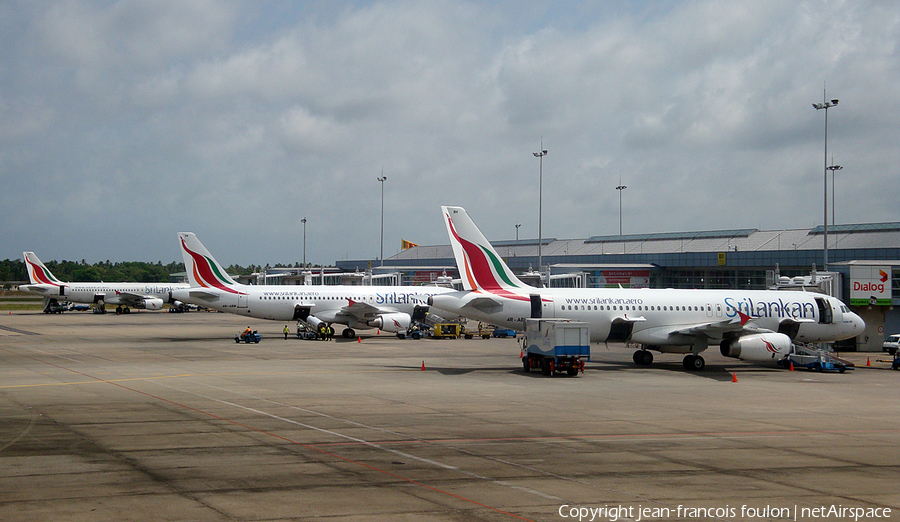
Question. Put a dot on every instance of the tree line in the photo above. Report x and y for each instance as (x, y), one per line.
(13, 270)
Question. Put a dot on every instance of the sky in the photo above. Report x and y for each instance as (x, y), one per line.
(123, 123)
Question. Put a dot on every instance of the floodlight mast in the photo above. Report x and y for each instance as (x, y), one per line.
(382, 179)
(620, 188)
(540, 155)
(819, 106)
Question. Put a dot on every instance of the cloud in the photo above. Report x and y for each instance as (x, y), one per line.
(234, 120)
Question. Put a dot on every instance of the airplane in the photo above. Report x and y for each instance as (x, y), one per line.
(388, 308)
(751, 325)
(144, 296)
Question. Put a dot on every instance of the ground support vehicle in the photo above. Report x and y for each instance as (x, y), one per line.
(895, 364)
(54, 307)
(447, 331)
(304, 331)
(483, 331)
(503, 333)
(891, 343)
(248, 338)
(556, 345)
(415, 331)
(813, 358)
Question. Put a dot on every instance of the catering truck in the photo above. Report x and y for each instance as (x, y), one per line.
(556, 345)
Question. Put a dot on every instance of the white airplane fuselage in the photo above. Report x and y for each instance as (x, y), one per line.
(154, 295)
(655, 315)
(326, 303)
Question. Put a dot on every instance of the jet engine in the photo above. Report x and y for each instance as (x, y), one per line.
(152, 303)
(395, 322)
(757, 347)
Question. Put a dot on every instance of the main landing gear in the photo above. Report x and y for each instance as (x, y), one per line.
(691, 362)
(694, 362)
(643, 357)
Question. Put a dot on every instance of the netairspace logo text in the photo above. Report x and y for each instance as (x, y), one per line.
(640, 513)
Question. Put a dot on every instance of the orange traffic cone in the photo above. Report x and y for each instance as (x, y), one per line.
(868, 363)
(792, 366)
(733, 377)
(423, 366)
(378, 332)
(521, 354)
(359, 339)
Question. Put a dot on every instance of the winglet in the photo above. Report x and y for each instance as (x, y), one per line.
(744, 317)
(37, 272)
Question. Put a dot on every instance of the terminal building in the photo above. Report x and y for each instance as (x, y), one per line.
(863, 265)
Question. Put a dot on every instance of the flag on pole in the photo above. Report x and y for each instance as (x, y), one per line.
(404, 244)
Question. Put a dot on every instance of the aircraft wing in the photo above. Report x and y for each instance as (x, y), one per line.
(741, 325)
(362, 311)
(716, 329)
(130, 299)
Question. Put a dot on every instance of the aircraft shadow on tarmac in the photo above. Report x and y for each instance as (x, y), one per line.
(717, 373)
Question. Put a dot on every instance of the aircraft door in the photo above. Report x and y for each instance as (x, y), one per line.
(537, 310)
(62, 290)
(242, 301)
(419, 313)
(826, 316)
(541, 306)
(301, 313)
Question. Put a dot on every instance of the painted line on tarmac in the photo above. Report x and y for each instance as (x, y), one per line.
(174, 376)
(285, 439)
(631, 437)
(357, 441)
(16, 330)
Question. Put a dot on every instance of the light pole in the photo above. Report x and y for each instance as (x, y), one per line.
(620, 188)
(540, 155)
(819, 106)
(517, 230)
(833, 168)
(382, 180)
(304, 240)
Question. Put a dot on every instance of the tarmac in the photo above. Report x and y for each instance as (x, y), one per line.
(154, 416)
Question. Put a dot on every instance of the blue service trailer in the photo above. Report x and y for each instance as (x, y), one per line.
(556, 345)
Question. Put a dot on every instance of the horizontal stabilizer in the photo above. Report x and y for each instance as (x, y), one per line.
(203, 294)
(486, 305)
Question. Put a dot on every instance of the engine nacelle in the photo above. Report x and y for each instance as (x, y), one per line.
(757, 347)
(153, 303)
(395, 322)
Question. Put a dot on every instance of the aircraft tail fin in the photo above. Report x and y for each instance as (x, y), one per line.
(37, 272)
(202, 268)
(480, 267)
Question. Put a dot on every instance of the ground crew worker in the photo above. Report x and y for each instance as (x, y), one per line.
(285, 332)
(247, 332)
